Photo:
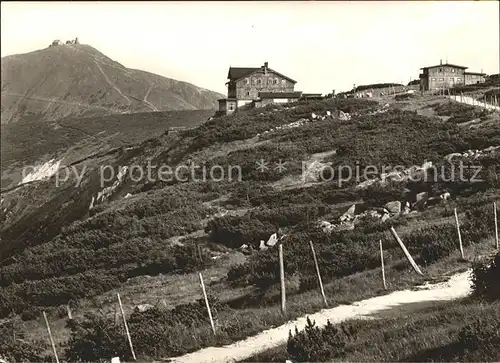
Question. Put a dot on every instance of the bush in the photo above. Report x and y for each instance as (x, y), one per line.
(485, 278)
(94, 338)
(319, 345)
(483, 336)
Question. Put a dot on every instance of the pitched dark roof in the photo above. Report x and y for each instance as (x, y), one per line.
(280, 94)
(236, 73)
(446, 65)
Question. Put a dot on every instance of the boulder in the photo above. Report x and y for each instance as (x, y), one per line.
(272, 240)
(344, 116)
(366, 183)
(393, 207)
(263, 246)
(143, 307)
(349, 215)
(406, 208)
(422, 197)
(445, 196)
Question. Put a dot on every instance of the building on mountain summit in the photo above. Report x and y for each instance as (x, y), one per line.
(257, 87)
(447, 75)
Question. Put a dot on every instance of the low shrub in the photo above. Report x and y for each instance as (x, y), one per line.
(485, 278)
(315, 344)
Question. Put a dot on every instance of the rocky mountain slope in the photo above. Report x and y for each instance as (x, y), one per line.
(78, 80)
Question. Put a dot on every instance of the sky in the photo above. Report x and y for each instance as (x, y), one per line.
(324, 46)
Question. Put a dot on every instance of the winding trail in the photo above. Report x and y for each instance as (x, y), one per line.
(111, 83)
(51, 101)
(153, 107)
(457, 286)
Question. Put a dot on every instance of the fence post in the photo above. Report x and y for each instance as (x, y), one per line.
(126, 327)
(206, 303)
(459, 234)
(50, 337)
(382, 263)
(282, 279)
(318, 273)
(407, 254)
(496, 224)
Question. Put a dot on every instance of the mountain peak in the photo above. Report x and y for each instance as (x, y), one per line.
(72, 79)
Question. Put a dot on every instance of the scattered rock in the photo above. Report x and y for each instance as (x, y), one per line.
(394, 208)
(406, 209)
(263, 246)
(344, 116)
(128, 195)
(272, 240)
(349, 215)
(143, 307)
(422, 196)
(433, 201)
(445, 196)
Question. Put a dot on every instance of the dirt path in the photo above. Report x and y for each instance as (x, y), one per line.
(456, 287)
(52, 101)
(153, 107)
(111, 83)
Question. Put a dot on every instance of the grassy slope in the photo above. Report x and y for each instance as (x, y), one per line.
(145, 214)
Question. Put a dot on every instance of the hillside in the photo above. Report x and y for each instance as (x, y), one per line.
(78, 80)
(72, 240)
(70, 139)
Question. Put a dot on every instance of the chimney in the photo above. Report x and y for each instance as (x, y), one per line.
(440, 62)
(265, 64)
(264, 67)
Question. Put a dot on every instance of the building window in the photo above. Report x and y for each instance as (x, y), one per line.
(453, 70)
(434, 79)
(231, 107)
(276, 81)
(248, 93)
(283, 83)
(247, 81)
(440, 70)
(441, 79)
(258, 81)
(459, 79)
